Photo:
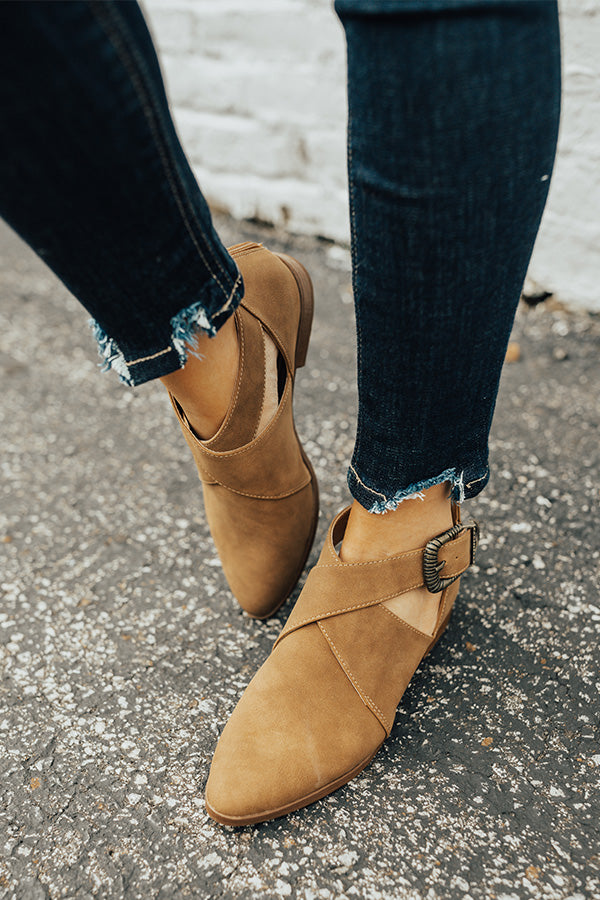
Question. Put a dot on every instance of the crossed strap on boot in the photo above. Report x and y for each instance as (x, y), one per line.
(260, 491)
(324, 701)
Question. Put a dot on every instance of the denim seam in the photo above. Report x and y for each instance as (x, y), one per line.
(176, 342)
(142, 359)
(156, 108)
(359, 479)
(471, 483)
(153, 115)
(113, 357)
(110, 353)
(353, 248)
(414, 491)
(229, 300)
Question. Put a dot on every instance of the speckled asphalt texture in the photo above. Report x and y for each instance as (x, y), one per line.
(123, 652)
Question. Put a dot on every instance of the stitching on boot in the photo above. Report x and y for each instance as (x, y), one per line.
(404, 622)
(288, 493)
(368, 701)
(251, 445)
(338, 612)
(277, 340)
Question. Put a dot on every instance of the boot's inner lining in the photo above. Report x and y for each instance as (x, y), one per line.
(272, 392)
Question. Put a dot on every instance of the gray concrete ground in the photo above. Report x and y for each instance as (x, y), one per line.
(123, 652)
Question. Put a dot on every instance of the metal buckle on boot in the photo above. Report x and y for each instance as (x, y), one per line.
(432, 566)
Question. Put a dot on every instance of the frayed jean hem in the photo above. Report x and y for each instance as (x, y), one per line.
(184, 328)
(378, 503)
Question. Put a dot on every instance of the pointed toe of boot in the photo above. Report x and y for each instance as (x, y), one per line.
(286, 743)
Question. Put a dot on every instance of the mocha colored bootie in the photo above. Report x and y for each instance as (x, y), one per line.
(260, 491)
(318, 710)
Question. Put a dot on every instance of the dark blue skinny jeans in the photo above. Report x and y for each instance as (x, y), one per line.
(453, 119)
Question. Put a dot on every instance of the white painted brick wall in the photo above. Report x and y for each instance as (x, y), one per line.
(258, 89)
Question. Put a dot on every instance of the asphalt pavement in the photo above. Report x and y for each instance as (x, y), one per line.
(122, 652)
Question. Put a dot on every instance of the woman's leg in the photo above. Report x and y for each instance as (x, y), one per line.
(453, 117)
(94, 178)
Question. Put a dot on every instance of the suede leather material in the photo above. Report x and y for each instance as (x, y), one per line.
(241, 421)
(325, 699)
(447, 604)
(334, 587)
(269, 467)
(299, 725)
(271, 294)
(260, 567)
(260, 492)
(379, 653)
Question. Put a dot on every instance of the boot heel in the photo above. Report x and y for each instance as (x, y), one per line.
(306, 306)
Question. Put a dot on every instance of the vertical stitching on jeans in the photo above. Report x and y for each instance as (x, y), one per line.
(227, 303)
(153, 117)
(156, 108)
(352, 205)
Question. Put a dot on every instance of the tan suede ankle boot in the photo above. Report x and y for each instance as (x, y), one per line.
(324, 701)
(260, 491)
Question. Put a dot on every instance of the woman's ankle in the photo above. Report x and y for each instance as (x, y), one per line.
(205, 385)
(371, 536)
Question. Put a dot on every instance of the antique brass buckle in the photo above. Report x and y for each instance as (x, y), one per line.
(432, 566)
